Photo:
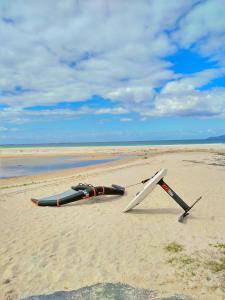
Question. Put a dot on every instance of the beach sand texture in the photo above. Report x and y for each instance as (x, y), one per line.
(43, 250)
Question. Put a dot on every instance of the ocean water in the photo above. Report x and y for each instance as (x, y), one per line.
(121, 143)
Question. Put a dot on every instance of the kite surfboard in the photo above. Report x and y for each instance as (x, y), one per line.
(150, 185)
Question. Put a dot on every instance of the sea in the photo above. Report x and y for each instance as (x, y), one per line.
(121, 143)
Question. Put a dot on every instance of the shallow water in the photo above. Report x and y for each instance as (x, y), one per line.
(103, 291)
(14, 167)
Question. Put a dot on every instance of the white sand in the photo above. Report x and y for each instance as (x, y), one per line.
(43, 249)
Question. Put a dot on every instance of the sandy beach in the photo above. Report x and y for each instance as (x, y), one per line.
(44, 250)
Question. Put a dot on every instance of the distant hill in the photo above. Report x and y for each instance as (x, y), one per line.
(217, 138)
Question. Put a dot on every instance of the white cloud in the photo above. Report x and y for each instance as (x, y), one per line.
(126, 119)
(189, 103)
(134, 95)
(204, 28)
(73, 50)
(102, 43)
(3, 129)
(191, 82)
(20, 115)
(113, 111)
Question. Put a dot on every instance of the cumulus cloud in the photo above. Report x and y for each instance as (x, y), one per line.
(54, 51)
(191, 82)
(191, 103)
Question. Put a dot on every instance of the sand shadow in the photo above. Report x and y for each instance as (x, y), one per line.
(155, 211)
(161, 211)
(110, 291)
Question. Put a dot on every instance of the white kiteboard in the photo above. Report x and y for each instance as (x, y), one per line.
(147, 189)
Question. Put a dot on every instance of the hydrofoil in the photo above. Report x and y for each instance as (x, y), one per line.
(151, 183)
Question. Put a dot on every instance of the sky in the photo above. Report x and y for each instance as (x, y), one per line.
(111, 70)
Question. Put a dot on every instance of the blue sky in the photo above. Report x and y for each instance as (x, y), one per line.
(101, 70)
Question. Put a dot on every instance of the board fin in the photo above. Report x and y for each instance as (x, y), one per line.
(186, 213)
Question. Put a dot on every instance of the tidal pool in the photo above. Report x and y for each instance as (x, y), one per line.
(14, 167)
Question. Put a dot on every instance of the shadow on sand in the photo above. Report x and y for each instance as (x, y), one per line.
(155, 211)
(106, 291)
(161, 211)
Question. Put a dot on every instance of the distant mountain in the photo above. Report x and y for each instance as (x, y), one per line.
(217, 138)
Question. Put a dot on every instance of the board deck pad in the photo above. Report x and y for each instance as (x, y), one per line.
(150, 185)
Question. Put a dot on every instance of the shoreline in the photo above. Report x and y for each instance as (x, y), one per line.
(130, 154)
(100, 150)
(119, 143)
(20, 181)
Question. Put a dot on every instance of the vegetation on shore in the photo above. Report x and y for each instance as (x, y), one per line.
(205, 266)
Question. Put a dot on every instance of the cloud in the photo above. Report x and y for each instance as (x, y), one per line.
(54, 52)
(82, 49)
(191, 82)
(186, 97)
(191, 103)
(6, 129)
(113, 111)
(21, 116)
(204, 29)
(126, 120)
(3, 129)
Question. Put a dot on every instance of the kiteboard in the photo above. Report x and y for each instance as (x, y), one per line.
(150, 185)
